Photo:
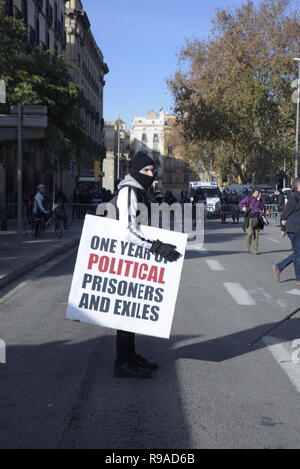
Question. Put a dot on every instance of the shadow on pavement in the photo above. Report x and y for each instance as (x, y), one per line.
(237, 344)
(63, 394)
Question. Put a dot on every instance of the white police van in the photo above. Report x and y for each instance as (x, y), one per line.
(212, 194)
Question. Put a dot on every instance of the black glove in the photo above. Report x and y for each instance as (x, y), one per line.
(167, 251)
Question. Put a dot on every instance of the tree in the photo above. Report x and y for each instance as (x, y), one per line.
(236, 92)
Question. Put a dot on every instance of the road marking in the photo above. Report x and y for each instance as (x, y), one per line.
(214, 265)
(293, 292)
(196, 247)
(284, 359)
(281, 303)
(13, 292)
(269, 298)
(239, 294)
(32, 275)
(274, 240)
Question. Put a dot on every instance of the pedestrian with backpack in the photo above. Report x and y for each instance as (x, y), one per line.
(252, 206)
(132, 199)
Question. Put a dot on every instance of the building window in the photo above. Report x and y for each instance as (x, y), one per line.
(144, 137)
(25, 10)
(47, 39)
(9, 7)
(179, 164)
(55, 17)
(169, 166)
(169, 178)
(37, 29)
(155, 138)
(179, 178)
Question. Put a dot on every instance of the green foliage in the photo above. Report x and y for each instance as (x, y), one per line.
(234, 90)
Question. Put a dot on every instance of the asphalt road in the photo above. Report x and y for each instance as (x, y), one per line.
(211, 390)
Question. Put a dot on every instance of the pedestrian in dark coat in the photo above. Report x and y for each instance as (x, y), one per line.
(290, 224)
(133, 191)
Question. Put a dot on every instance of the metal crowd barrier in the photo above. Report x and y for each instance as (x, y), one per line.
(233, 211)
(79, 211)
(272, 214)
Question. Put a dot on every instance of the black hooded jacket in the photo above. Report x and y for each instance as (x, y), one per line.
(291, 213)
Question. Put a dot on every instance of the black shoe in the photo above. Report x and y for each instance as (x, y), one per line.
(129, 370)
(143, 363)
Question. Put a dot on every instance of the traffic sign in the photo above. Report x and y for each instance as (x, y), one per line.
(36, 122)
(30, 110)
(2, 92)
(27, 134)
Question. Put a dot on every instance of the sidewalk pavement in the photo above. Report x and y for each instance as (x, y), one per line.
(16, 259)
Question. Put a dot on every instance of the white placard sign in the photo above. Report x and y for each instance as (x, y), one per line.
(120, 285)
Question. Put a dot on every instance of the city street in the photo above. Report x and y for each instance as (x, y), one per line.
(211, 389)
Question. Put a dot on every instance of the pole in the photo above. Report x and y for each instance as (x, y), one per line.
(19, 175)
(118, 167)
(276, 325)
(297, 124)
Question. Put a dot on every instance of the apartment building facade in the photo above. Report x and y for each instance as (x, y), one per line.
(44, 20)
(63, 28)
(44, 27)
(153, 135)
(147, 134)
(118, 152)
(83, 53)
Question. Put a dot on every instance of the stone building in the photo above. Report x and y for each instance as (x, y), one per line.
(117, 142)
(89, 70)
(152, 134)
(44, 21)
(63, 28)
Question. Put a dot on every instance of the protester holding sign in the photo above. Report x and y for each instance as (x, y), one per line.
(125, 278)
(133, 191)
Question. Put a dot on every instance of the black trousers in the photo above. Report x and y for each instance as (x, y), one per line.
(125, 345)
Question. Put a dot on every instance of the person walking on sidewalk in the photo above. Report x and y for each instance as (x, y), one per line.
(278, 199)
(39, 209)
(61, 201)
(290, 225)
(131, 192)
(252, 206)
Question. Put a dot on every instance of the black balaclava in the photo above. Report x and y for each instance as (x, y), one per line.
(138, 162)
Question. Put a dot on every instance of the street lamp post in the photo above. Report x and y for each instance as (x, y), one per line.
(297, 120)
(118, 165)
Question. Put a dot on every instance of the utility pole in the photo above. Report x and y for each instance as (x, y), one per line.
(118, 165)
(19, 174)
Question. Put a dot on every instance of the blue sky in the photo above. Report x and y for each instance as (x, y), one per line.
(140, 41)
